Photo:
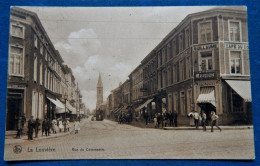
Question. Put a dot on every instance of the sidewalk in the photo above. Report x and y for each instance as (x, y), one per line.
(141, 124)
(208, 128)
(10, 135)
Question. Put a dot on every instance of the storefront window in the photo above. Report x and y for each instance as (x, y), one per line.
(237, 102)
(235, 62)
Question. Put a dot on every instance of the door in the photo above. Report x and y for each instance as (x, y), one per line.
(14, 108)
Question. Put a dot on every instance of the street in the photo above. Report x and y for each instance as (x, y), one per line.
(110, 140)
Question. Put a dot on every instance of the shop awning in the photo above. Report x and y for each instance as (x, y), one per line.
(242, 88)
(207, 95)
(143, 105)
(58, 103)
(70, 108)
(117, 109)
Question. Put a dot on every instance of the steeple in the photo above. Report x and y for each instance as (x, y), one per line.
(99, 84)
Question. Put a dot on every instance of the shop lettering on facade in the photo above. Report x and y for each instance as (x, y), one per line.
(200, 75)
(205, 47)
(236, 46)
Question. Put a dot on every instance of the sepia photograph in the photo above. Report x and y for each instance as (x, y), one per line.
(167, 82)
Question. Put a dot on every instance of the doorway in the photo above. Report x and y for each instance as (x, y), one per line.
(14, 110)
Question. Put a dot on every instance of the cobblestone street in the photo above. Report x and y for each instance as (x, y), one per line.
(110, 140)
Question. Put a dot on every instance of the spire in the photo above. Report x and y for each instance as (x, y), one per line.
(99, 84)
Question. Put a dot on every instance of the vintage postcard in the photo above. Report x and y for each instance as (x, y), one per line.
(129, 83)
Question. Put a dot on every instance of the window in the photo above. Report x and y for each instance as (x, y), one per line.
(188, 67)
(169, 54)
(189, 99)
(159, 59)
(16, 61)
(206, 61)
(205, 32)
(35, 68)
(181, 70)
(17, 30)
(237, 102)
(187, 38)
(182, 103)
(159, 81)
(235, 62)
(180, 42)
(173, 48)
(175, 102)
(41, 73)
(234, 31)
(35, 41)
(163, 56)
(46, 76)
(41, 48)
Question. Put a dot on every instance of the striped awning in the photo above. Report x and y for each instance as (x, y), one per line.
(143, 105)
(242, 88)
(207, 95)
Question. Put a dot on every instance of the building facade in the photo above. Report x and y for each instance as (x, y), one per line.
(201, 65)
(36, 76)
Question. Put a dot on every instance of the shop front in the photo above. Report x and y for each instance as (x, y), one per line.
(14, 107)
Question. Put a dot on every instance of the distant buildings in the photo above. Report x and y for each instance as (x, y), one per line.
(202, 64)
(39, 83)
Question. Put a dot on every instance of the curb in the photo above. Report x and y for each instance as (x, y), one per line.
(37, 139)
(222, 127)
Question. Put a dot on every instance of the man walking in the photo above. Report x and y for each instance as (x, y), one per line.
(30, 128)
(204, 118)
(36, 127)
(196, 119)
(214, 119)
(175, 116)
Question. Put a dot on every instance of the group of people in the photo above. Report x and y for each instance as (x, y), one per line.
(48, 126)
(204, 120)
(165, 119)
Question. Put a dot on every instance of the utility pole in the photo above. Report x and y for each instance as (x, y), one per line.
(77, 102)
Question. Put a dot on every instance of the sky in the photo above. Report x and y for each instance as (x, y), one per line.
(111, 41)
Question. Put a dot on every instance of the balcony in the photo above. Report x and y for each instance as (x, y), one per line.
(206, 75)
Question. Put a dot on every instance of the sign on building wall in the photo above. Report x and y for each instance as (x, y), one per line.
(237, 46)
(205, 47)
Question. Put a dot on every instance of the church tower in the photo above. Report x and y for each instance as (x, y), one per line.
(99, 92)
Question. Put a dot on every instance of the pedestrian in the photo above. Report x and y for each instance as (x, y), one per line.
(30, 128)
(175, 118)
(68, 124)
(64, 122)
(155, 121)
(145, 113)
(159, 120)
(196, 119)
(36, 127)
(204, 119)
(19, 127)
(23, 123)
(171, 118)
(48, 127)
(60, 125)
(44, 127)
(77, 126)
(54, 126)
(214, 119)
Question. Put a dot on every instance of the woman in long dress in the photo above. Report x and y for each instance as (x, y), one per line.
(77, 127)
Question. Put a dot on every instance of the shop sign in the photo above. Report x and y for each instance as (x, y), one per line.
(16, 86)
(204, 75)
(205, 47)
(236, 46)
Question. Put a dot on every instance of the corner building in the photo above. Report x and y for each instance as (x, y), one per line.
(203, 64)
